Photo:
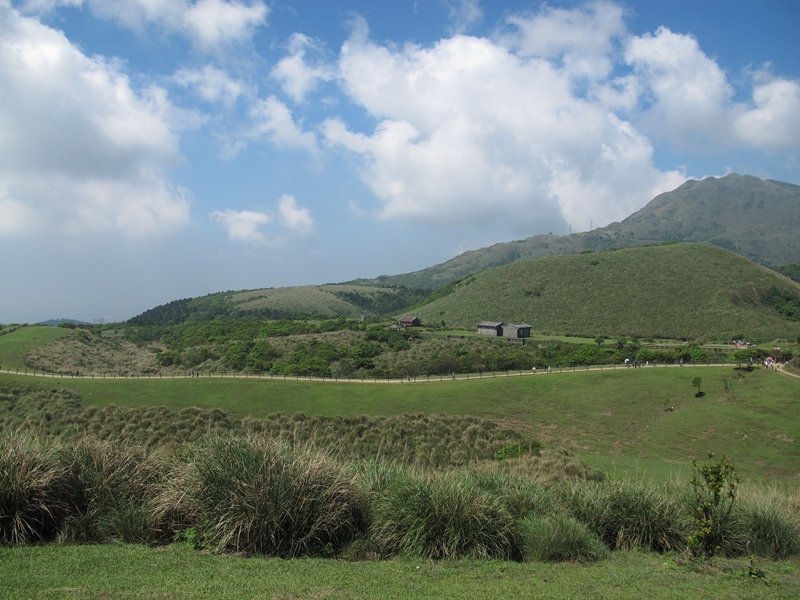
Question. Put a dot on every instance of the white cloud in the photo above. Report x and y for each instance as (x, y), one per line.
(82, 150)
(464, 14)
(470, 132)
(773, 122)
(296, 219)
(246, 226)
(296, 74)
(216, 22)
(272, 120)
(211, 84)
(242, 225)
(687, 94)
(580, 39)
(209, 24)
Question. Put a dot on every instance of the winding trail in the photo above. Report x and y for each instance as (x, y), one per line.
(404, 380)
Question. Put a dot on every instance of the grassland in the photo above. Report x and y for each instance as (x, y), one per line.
(139, 572)
(614, 419)
(678, 291)
(16, 344)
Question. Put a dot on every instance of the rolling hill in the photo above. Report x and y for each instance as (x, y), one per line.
(676, 290)
(323, 301)
(755, 218)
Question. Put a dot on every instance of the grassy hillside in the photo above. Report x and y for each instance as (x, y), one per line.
(16, 342)
(612, 419)
(752, 217)
(675, 291)
(320, 301)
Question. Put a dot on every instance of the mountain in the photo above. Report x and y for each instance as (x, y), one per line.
(675, 290)
(323, 301)
(759, 219)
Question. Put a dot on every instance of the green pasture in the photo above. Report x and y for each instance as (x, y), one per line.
(16, 344)
(111, 571)
(614, 419)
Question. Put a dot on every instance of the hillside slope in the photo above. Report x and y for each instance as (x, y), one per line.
(323, 301)
(673, 290)
(755, 218)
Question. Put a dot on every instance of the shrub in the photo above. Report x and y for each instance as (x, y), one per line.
(627, 514)
(439, 516)
(34, 489)
(254, 496)
(559, 538)
(770, 528)
(714, 487)
(109, 485)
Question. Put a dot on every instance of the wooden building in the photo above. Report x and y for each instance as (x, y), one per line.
(490, 328)
(409, 321)
(515, 331)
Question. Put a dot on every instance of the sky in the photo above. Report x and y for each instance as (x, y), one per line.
(152, 150)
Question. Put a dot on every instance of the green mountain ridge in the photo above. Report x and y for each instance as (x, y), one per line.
(755, 218)
(681, 290)
(759, 219)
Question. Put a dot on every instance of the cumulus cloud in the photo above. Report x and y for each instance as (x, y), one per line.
(272, 121)
(209, 24)
(82, 150)
(297, 75)
(296, 219)
(246, 226)
(773, 120)
(581, 40)
(242, 225)
(463, 14)
(470, 131)
(211, 84)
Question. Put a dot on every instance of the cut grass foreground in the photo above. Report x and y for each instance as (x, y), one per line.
(128, 571)
(615, 419)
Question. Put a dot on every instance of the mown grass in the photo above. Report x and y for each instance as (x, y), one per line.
(610, 418)
(16, 344)
(130, 571)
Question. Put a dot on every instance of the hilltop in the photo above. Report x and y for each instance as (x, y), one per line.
(320, 301)
(671, 290)
(755, 218)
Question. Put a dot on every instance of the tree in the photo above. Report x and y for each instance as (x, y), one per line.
(697, 382)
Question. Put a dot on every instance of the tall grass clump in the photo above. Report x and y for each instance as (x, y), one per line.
(109, 488)
(251, 495)
(628, 514)
(560, 538)
(439, 516)
(771, 527)
(34, 489)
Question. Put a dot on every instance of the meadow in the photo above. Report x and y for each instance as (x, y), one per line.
(613, 418)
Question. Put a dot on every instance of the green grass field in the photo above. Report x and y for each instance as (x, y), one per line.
(613, 419)
(15, 345)
(104, 571)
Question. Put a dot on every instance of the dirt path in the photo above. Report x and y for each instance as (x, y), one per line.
(396, 381)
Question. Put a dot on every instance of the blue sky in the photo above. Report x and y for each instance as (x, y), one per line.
(152, 150)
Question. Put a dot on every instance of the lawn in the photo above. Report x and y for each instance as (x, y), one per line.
(112, 571)
(614, 419)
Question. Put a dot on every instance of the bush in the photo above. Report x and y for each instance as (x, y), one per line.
(770, 528)
(34, 489)
(626, 514)
(109, 486)
(254, 496)
(560, 538)
(443, 516)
